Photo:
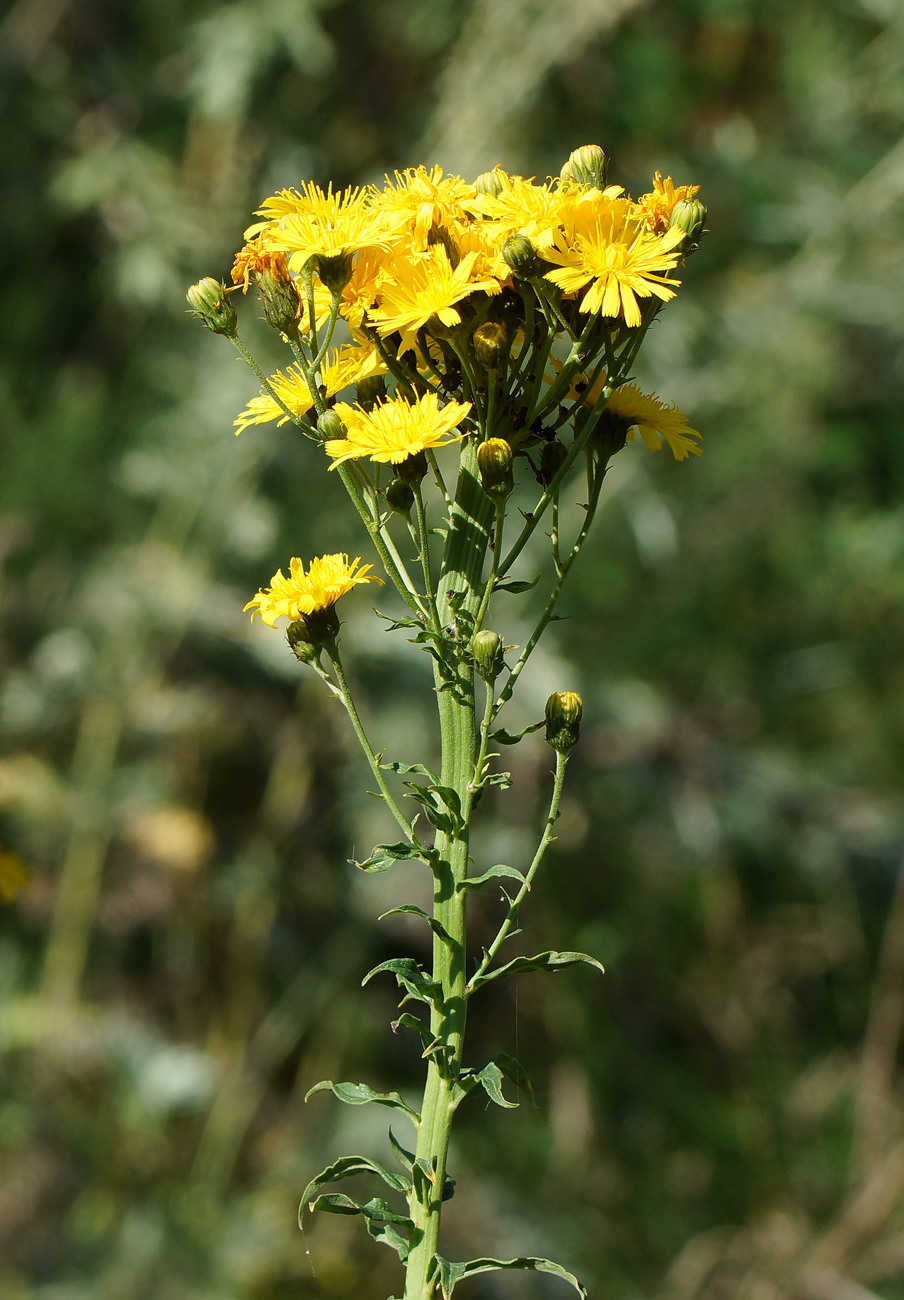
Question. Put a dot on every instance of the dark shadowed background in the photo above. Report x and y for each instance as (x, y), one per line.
(721, 1115)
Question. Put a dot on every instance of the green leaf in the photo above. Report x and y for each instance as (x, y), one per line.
(503, 779)
(403, 769)
(376, 1209)
(358, 1094)
(384, 855)
(543, 961)
(490, 1079)
(517, 587)
(503, 737)
(387, 1235)
(409, 909)
(451, 1274)
(408, 1021)
(346, 1167)
(404, 1157)
(513, 1070)
(494, 873)
(441, 805)
(410, 977)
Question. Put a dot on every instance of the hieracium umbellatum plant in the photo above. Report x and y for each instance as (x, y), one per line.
(454, 342)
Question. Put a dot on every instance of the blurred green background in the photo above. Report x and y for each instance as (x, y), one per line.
(721, 1115)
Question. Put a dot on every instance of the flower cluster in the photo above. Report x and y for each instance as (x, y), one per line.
(429, 257)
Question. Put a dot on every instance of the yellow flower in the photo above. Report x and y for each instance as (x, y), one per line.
(654, 420)
(395, 429)
(312, 222)
(424, 285)
(328, 577)
(655, 208)
(619, 260)
(420, 199)
(14, 876)
(349, 365)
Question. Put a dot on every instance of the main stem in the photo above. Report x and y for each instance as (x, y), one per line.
(463, 563)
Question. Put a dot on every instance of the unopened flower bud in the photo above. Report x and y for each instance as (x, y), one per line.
(491, 183)
(488, 651)
(563, 720)
(329, 426)
(210, 304)
(689, 215)
(552, 457)
(490, 345)
(335, 272)
(399, 496)
(299, 639)
(279, 296)
(521, 256)
(587, 165)
(412, 469)
(370, 391)
(494, 460)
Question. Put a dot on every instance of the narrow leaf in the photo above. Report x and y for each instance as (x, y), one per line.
(387, 1235)
(543, 961)
(410, 910)
(346, 1167)
(490, 1079)
(384, 855)
(517, 587)
(513, 1070)
(456, 1272)
(410, 977)
(503, 737)
(358, 1094)
(404, 768)
(494, 873)
(404, 1157)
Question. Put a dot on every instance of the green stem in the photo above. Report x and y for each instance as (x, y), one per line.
(298, 420)
(545, 841)
(465, 552)
(340, 688)
(423, 546)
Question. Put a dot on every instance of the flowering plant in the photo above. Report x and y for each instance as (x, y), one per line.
(503, 319)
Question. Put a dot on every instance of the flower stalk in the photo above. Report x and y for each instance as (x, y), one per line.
(498, 324)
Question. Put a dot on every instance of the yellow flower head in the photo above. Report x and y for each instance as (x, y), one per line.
(349, 365)
(619, 261)
(312, 222)
(328, 577)
(422, 198)
(395, 429)
(654, 420)
(424, 285)
(656, 207)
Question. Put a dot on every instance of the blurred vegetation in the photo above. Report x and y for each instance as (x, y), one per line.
(721, 1116)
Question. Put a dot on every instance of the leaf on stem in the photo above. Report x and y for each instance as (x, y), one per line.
(346, 1167)
(542, 961)
(411, 978)
(359, 1094)
(385, 855)
(410, 910)
(451, 1274)
(503, 737)
(403, 769)
(441, 805)
(518, 587)
(500, 869)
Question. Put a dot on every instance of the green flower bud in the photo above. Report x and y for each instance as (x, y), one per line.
(587, 165)
(492, 183)
(399, 496)
(370, 391)
(329, 426)
(563, 720)
(490, 345)
(210, 304)
(303, 648)
(552, 457)
(689, 215)
(279, 295)
(412, 469)
(335, 272)
(494, 460)
(521, 256)
(488, 651)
